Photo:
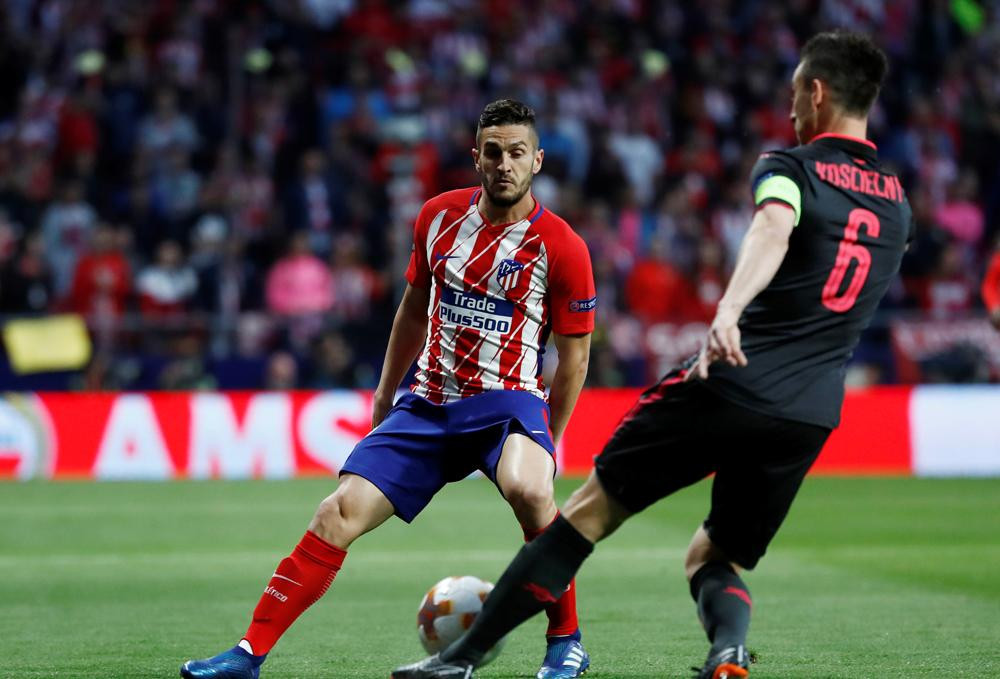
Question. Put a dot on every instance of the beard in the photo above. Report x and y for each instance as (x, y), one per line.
(802, 135)
(805, 129)
(509, 199)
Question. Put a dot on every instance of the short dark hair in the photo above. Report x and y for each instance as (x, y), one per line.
(850, 63)
(507, 112)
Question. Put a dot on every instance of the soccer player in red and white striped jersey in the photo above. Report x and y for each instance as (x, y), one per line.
(493, 273)
(496, 292)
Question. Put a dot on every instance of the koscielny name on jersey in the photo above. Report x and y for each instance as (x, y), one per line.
(852, 178)
(475, 311)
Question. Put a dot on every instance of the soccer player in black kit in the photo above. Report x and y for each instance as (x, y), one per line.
(757, 404)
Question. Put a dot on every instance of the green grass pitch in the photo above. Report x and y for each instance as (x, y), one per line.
(869, 578)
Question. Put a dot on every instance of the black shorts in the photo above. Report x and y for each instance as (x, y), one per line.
(680, 432)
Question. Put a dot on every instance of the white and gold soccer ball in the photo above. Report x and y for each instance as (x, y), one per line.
(447, 611)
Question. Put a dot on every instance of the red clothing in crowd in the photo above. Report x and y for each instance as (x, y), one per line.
(656, 292)
(709, 285)
(101, 284)
(991, 285)
(78, 133)
(945, 295)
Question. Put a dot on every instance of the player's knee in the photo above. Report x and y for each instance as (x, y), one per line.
(530, 497)
(692, 564)
(332, 521)
(702, 551)
(698, 553)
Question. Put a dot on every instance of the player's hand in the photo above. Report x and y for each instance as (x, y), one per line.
(721, 344)
(381, 406)
(995, 318)
(724, 338)
(700, 368)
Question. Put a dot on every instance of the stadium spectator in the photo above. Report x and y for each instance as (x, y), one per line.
(708, 281)
(175, 190)
(299, 283)
(281, 372)
(26, 280)
(356, 286)
(656, 292)
(79, 136)
(103, 278)
(166, 286)
(332, 363)
(729, 220)
(251, 199)
(166, 128)
(207, 240)
(959, 215)
(66, 228)
(641, 159)
(11, 233)
(309, 203)
(948, 289)
(229, 283)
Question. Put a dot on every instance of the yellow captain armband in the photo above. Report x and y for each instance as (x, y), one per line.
(781, 188)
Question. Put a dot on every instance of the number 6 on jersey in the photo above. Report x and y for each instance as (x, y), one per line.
(850, 250)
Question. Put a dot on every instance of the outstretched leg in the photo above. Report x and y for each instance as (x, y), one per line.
(301, 578)
(524, 475)
(542, 570)
(355, 508)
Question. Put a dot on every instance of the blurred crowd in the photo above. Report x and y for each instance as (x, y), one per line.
(213, 182)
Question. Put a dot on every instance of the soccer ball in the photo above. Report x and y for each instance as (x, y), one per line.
(447, 611)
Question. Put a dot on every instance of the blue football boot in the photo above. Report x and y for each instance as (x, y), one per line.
(232, 664)
(565, 658)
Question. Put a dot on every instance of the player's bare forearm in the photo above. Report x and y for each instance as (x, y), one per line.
(409, 329)
(761, 253)
(574, 355)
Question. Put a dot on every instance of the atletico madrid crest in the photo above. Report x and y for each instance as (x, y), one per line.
(508, 273)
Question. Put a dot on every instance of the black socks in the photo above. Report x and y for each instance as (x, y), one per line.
(537, 576)
(723, 604)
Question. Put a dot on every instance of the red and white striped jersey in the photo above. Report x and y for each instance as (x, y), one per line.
(497, 290)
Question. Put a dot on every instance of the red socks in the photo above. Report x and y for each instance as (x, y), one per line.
(562, 614)
(304, 576)
(298, 582)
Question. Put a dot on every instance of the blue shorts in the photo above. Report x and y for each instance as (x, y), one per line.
(421, 446)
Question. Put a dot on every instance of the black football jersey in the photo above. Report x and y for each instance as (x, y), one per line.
(799, 332)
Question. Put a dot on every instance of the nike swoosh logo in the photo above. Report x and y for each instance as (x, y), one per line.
(275, 575)
(439, 257)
